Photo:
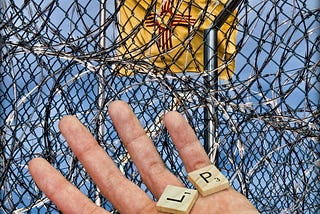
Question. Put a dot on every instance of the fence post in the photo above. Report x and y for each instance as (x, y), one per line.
(211, 83)
(101, 88)
(2, 8)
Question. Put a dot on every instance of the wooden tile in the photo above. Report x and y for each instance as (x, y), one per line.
(177, 200)
(208, 180)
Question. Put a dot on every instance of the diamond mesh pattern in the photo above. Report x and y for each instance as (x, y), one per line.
(58, 58)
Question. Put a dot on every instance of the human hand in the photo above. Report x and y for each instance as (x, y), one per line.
(125, 196)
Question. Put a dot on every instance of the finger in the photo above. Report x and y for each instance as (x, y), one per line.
(189, 147)
(141, 149)
(194, 157)
(124, 195)
(64, 195)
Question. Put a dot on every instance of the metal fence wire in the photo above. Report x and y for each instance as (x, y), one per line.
(253, 103)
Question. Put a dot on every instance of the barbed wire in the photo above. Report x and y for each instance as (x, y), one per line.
(61, 58)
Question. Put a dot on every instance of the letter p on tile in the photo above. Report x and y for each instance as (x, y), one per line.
(208, 180)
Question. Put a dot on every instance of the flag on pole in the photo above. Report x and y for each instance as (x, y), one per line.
(169, 34)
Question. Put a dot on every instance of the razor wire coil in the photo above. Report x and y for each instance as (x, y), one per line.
(54, 62)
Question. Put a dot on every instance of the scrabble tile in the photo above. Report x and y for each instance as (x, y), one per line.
(177, 200)
(208, 180)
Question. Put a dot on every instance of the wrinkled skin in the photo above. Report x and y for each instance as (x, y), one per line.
(123, 194)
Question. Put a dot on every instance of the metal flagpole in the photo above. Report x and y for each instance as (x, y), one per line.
(101, 91)
(211, 83)
(211, 80)
(2, 9)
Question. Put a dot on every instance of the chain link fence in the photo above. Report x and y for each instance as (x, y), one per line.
(256, 111)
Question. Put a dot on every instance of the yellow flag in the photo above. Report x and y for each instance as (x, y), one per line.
(169, 34)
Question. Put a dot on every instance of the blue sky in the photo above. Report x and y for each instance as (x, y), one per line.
(30, 97)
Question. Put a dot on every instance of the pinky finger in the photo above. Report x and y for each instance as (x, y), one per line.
(63, 194)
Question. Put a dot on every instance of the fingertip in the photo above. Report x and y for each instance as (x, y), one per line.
(67, 119)
(181, 132)
(172, 114)
(173, 119)
(35, 161)
(117, 103)
(118, 108)
(36, 165)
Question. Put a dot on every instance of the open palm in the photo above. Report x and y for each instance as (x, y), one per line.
(123, 194)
